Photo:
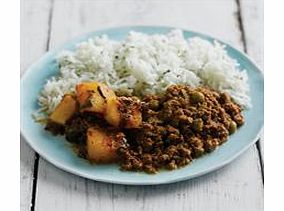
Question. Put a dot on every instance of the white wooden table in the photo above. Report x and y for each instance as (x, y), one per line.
(46, 24)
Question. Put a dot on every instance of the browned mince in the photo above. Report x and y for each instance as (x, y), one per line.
(179, 126)
(54, 128)
(182, 125)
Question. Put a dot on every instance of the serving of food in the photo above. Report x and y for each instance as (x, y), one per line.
(172, 104)
(147, 102)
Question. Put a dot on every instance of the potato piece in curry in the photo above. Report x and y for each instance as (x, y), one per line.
(65, 109)
(102, 144)
(117, 111)
(124, 112)
(92, 97)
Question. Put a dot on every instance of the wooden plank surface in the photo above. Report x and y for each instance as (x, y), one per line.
(232, 188)
(238, 186)
(252, 19)
(34, 28)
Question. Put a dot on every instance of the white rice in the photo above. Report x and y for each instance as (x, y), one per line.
(144, 64)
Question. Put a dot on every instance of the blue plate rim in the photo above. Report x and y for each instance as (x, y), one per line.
(113, 181)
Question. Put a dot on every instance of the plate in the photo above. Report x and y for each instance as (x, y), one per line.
(59, 152)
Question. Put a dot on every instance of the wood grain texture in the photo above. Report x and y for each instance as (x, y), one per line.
(34, 30)
(237, 186)
(193, 15)
(34, 27)
(252, 18)
(225, 189)
(27, 167)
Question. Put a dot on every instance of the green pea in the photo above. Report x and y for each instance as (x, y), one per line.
(232, 127)
(197, 97)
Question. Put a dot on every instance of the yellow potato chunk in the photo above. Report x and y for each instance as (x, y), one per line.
(113, 115)
(102, 145)
(92, 96)
(124, 112)
(65, 109)
(84, 90)
(117, 111)
(106, 91)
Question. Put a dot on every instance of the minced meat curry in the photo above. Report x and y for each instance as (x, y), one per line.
(164, 131)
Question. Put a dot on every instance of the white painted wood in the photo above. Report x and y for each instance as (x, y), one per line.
(34, 18)
(252, 16)
(238, 186)
(98, 14)
(26, 179)
(34, 30)
(231, 188)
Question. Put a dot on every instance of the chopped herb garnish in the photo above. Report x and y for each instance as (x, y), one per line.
(78, 72)
(167, 71)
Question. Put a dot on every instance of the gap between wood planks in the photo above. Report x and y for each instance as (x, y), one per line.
(36, 160)
(37, 157)
(243, 39)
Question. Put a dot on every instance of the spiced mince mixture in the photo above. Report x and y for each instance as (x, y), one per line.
(154, 132)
